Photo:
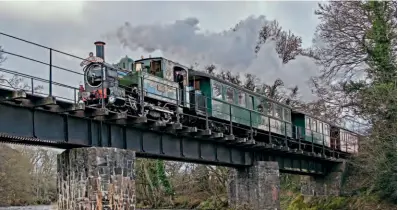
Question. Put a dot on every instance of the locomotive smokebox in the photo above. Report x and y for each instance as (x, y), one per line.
(99, 47)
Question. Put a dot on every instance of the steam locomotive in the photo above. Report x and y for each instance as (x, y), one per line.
(169, 92)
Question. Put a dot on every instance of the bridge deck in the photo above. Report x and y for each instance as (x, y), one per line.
(38, 120)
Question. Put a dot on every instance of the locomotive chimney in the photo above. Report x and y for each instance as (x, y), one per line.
(99, 49)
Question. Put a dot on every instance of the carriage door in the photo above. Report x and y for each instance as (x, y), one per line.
(180, 76)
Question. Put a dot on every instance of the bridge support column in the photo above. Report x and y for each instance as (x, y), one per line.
(256, 187)
(96, 178)
(329, 185)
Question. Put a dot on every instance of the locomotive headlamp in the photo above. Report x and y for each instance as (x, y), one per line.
(112, 99)
(93, 75)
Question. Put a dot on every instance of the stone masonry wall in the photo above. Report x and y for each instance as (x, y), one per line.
(324, 185)
(95, 179)
(256, 187)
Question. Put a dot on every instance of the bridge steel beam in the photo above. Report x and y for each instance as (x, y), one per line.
(28, 122)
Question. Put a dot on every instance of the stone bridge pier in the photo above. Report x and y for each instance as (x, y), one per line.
(328, 185)
(96, 178)
(256, 187)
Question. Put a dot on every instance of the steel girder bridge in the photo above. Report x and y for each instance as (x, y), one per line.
(31, 117)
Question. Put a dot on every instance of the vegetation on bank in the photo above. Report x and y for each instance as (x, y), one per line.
(358, 61)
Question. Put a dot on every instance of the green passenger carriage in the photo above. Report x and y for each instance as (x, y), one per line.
(247, 108)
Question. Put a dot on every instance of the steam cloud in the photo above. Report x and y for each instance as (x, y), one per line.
(183, 42)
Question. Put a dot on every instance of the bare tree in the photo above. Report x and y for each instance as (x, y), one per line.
(288, 45)
(358, 56)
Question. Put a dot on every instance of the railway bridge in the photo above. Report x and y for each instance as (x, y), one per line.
(97, 168)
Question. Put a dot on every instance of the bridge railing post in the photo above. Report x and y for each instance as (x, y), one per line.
(312, 142)
(286, 144)
(230, 119)
(74, 96)
(298, 135)
(269, 130)
(323, 145)
(251, 125)
(50, 90)
(142, 94)
(32, 85)
(207, 113)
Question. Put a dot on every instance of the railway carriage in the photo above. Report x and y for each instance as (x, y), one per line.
(344, 140)
(172, 93)
(247, 108)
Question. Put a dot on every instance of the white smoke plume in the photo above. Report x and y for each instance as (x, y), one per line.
(183, 42)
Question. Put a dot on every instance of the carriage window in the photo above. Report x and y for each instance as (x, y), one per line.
(250, 102)
(259, 105)
(229, 95)
(270, 108)
(138, 66)
(313, 124)
(241, 98)
(326, 129)
(319, 127)
(196, 85)
(286, 113)
(217, 90)
(278, 111)
(307, 123)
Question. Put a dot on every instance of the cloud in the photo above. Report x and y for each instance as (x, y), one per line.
(182, 41)
(43, 12)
